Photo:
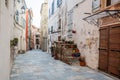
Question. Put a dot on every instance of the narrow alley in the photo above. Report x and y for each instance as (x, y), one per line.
(38, 65)
(59, 39)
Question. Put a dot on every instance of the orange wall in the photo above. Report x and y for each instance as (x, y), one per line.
(26, 29)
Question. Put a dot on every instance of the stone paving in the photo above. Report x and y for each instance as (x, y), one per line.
(38, 65)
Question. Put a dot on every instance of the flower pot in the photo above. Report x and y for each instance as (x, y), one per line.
(73, 31)
(82, 63)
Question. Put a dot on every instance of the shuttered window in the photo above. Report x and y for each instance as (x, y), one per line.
(53, 7)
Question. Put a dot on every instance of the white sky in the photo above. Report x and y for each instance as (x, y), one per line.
(36, 6)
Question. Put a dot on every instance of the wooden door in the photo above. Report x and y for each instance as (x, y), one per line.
(103, 49)
(109, 51)
(114, 51)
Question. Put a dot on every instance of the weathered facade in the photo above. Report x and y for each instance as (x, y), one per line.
(86, 36)
(44, 26)
(110, 46)
(57, 21)
(69, 16)
(93, 25)
(35, 37)
(6, 23)
(20, 24)
(29, 16)
(108, 15)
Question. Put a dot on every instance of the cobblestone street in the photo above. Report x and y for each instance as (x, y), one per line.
(38, 65)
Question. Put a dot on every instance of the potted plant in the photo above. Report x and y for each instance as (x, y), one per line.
(11, 43)
(15, 40)
(82, 61)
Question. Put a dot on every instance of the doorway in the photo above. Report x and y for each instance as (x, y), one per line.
(109, 50)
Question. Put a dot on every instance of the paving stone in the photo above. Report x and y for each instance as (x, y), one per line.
(38, 65)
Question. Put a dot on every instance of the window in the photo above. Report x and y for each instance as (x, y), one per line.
(17, 16)
(114, 1)
(53, 7)
(52, 29)
(95, 5)
(108, 3)
(6, 3)
(18, 1)
(37, 41)
(59, 2)
(59, 24)
(37, 35)
(59, 38)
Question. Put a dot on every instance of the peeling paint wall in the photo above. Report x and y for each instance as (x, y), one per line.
(87, 35)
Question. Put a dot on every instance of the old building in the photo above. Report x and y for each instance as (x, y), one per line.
(20, 24)
(93, 25)
(86, 36)
(35, 38)
(57, 21)
(6, 23)
(44, 26)
(66, 17)
(29, 16)
(106, 14)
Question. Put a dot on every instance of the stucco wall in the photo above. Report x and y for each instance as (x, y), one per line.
(72, 3)
(20, 34)
(44, 26)
(87, 35)
(19, 28)
(59, 13)
(4, 41)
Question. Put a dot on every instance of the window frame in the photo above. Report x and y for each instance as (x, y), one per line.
(96, 5)
(108, 3)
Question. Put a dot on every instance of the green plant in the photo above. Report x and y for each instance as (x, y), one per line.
(11, 43)
(82, 59)
(14, 42)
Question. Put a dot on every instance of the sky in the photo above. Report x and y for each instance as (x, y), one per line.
(36, 6)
